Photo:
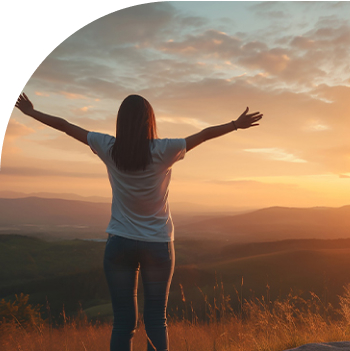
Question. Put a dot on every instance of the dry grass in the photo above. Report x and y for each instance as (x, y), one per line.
(261, 325)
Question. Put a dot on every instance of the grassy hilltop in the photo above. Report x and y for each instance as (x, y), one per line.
(292, 293)
(260, 325)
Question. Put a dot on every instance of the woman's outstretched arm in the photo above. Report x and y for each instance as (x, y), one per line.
(244, 121)
(25, 105)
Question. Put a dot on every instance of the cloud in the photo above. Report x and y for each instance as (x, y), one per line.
(41, 93)
(153, 45)
(191, 21)
(338, 94)
(62, 142)
(303, 59)
(272, 61)
(316, 126)
(16, 130)
(138, 24)
(72, 96)
(277, 154)
(264, 6)
(83, 110)
(183, 120)
(211, 43)
(76, 77)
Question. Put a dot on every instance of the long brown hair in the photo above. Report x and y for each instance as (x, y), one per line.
(136, 127)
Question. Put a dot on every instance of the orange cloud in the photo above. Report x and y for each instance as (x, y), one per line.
(72, 96)
(40, 93)
(15, 130)
(85, 108)
(277, 154)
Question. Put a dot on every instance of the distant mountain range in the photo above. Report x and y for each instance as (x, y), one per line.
(53, 217)
(64, 196)
(49, 217)
(178, 207)
(274, 223)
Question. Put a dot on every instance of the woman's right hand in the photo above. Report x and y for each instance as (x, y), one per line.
(24, 104)
(246, 120)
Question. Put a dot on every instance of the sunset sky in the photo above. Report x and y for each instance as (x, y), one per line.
(201, 64)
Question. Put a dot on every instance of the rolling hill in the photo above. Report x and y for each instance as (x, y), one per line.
(275, 223)
(66, 272)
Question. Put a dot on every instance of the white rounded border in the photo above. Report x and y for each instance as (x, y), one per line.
(31, 30)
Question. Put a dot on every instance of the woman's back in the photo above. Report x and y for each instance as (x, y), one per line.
(140, 198)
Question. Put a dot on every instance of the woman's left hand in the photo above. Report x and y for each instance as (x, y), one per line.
(246, 120)
(24, 104)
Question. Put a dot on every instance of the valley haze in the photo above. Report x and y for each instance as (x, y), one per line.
(72, 218)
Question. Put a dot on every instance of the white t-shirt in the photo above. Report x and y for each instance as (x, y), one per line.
(140, 207)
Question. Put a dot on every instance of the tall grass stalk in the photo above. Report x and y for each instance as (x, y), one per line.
(260, 325)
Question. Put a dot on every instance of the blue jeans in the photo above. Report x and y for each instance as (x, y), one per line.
(123, 260)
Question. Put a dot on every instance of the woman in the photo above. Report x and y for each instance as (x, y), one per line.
(140, 232)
